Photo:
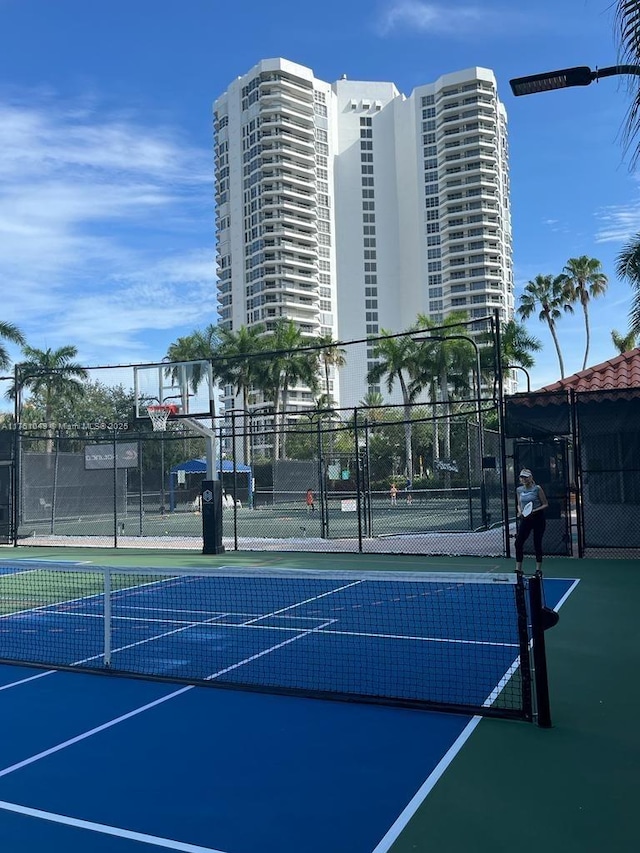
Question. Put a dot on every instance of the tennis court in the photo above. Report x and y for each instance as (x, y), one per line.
(427, 512)
(109, 764)
(119, 762)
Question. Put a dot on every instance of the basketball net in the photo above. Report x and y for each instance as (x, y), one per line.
(159, 415)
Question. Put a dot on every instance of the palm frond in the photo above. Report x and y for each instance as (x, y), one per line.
(627, 22)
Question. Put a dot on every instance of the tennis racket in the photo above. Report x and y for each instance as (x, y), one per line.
(527, 509)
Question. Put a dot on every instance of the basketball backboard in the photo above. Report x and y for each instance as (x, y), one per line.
(188, 385)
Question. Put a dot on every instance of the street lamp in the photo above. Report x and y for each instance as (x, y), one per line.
(581, 75)
(483, 494)
(524, 370)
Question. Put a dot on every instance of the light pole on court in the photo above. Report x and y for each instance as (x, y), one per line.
(581, 75)
(524, 370)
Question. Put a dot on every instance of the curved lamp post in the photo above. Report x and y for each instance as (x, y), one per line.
(524, 370)
(581, 75)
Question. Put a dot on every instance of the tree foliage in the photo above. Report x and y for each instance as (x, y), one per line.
(584, 280)
(549, 295)
(12, 334)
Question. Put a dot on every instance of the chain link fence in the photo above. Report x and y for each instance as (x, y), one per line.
(599, 429)
(424, 478)
(346, 480)
(609, 471)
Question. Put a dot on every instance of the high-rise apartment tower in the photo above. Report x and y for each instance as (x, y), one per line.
(350, 208)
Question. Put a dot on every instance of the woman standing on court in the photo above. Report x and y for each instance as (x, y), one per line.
(531, 518)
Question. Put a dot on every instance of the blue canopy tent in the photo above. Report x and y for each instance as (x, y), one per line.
(199, 466)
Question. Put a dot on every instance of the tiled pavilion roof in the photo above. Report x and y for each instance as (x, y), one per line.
(620, 372)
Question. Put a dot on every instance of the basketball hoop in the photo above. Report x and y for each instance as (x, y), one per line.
(159, 415)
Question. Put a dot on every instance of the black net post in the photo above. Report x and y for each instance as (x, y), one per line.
(541, 679)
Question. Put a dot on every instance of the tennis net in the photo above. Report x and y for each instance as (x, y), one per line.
(457, 642)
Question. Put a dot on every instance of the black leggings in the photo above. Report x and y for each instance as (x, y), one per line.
(536, 522)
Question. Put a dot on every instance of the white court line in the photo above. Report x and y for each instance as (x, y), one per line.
(147, 640)
(567, 593)
(300, 603)
(497, 690)
(268, 651)
(71, 741)
(155, 620)
(6, 563)
(506, 678)
(421, 794)
(52, 750)
(156, 702)
(453, 640)
(133, 590)
(425, 789)
(25, 680)
(13, 574)
(251, 624)
(107, 830)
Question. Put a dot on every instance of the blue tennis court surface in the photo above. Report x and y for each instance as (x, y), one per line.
(123, 765)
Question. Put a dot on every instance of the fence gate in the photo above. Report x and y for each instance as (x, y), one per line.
(548, 461)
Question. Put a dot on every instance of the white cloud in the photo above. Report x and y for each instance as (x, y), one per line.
(105, 227)
(618, 223)
(172, 293)
(448, 19)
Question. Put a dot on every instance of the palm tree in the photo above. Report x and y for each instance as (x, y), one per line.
(517, 345)
(239, 367)
(396, 360)
(624, 343)
(628, 269)
(516, 348)
(11, 333)
(331, 355)
(372, 399)
(51, 376)
(548, 293)
(289, 363)
(585, 280)
(445, 368)
(628, 23)
(201, 345)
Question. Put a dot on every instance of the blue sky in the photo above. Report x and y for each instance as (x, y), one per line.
(106, 212)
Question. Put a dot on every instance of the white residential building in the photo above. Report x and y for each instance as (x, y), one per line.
(351, 208)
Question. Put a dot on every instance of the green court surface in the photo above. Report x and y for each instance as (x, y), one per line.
(513, 786)
(286, 521)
